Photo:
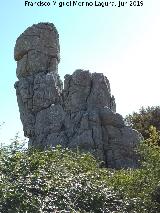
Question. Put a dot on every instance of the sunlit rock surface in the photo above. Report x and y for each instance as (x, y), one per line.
(82, 114)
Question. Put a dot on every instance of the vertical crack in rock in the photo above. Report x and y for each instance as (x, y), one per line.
(82, 115)
(90, 90)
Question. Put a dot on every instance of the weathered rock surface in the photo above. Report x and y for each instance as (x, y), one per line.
(82, 114)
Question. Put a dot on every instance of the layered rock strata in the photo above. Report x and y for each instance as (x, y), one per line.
(81, 115)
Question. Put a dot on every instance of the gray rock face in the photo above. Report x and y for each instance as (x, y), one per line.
(82, 114)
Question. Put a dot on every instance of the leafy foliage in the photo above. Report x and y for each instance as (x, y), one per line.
(54, 180)
(60, 180)
(145, 120)
(140, 184)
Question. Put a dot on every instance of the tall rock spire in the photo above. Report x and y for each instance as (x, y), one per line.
(82, 114)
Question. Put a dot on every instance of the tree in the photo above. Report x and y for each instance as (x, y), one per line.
(147, 122)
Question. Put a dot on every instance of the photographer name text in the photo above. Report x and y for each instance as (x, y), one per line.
(84, 3)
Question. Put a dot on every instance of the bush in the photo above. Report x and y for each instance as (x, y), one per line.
(144, 120)
(54, 180)
(60, 180)
(140, 185)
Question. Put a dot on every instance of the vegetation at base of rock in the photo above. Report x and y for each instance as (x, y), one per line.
(147, 122)
(54, 180)
(59, 180)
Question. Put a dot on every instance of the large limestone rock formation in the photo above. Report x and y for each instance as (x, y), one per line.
(82, 114)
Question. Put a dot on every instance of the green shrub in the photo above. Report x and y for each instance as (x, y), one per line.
(60, 180)
(145, 120)
(139, 185)
(54, 180)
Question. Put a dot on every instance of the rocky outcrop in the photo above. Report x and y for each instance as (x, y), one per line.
(39, 86)
(82, 114)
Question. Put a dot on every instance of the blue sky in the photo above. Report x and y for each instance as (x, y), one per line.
(123, 43)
